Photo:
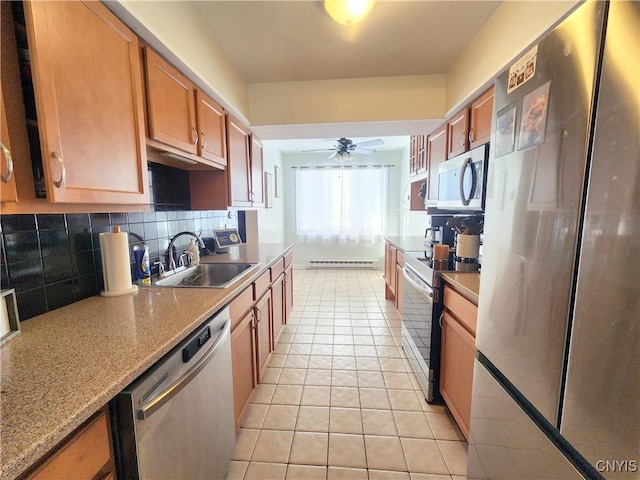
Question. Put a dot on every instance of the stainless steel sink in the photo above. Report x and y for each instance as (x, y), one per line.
(208, 275)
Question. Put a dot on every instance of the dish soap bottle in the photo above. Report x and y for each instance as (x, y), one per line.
(195, 252)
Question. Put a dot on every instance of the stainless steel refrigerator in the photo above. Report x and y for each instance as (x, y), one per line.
(556, 390)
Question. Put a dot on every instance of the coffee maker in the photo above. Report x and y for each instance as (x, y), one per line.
(437, 233)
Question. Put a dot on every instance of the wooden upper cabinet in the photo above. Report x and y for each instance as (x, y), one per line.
(8, 192)
(458, 133)
(422, 146)
(171, 104)
(257, 172)
(88, 86)
(238, 163)
(437, 154)
(212, 141)
(481, 116)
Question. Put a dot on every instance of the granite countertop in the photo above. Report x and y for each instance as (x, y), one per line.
(466, 283)
(407, 244)
(68, 363)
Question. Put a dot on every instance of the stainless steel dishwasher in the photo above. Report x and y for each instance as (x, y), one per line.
(176, 421)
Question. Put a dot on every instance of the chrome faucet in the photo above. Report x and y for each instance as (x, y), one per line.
(172, 261)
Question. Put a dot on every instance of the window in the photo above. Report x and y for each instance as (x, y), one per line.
(345, 204)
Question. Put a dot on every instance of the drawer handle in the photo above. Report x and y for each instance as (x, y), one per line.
(195, 136)
(63, 171)
(204, 140)
(7, 156)
(462, 139)
(471, 135)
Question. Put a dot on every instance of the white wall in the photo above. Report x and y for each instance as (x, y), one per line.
(341, 251)
(410, 223)
(511, 30)
(271, 220)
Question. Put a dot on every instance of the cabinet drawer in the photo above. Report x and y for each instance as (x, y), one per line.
(276, 269)
(240, 305)
(400, 258)
(83, 456)
(288, 259)
(261, 285)
(465, 311)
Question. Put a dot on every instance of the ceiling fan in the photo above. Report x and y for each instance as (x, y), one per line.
(344, 147)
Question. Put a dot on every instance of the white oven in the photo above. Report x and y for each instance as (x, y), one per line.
(462, 180)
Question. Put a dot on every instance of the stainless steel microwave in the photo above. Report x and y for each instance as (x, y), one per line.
(462, 181)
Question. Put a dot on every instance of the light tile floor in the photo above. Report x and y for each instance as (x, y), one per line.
(339, 399)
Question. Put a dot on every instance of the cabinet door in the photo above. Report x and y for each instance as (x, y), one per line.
(257, 172)
(481, 113)
(456, 370)
(437, 154)
(238, 169)
(85, 455)
(288, 292)
(88, 87)
(422, 154)
(243, 351)
(8, 191)
(171, 104)
(458, 126)
(212, 140)
(413, 155)
(264, 329)
(399, 287)
(278, 306)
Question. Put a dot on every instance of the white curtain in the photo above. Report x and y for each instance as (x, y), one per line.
(341, 204)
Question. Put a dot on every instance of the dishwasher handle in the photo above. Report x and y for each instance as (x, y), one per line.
(183, 381)
(409, 276)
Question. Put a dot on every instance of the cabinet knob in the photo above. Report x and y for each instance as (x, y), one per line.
(63, 171)
(7, 157)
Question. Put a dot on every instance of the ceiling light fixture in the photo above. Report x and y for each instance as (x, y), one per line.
(348, 12)
(343, 157)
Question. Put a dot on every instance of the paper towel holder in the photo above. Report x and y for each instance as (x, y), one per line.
(132, 288)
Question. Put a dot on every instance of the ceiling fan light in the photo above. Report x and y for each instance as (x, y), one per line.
(348, 12)
(343, 157)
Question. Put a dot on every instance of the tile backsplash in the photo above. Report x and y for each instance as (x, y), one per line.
(53, 260)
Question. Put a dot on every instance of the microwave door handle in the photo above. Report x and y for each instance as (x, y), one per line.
(468, 163)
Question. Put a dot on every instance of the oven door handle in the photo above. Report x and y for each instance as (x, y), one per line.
(426, 289)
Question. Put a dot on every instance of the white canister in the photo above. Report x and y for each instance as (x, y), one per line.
(468, 246)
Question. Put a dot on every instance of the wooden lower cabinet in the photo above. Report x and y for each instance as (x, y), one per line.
(390, 271)
(456, 371)
(288, 292)
(87, 454)
(257, 316)
(278, 306)
(264, 328)
(243, 354)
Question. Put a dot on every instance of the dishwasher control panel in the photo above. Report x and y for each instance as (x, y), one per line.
(196, 344)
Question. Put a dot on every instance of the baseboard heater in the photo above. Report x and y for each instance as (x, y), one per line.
(311, 264)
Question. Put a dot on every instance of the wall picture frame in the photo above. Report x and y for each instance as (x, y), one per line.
(268, 190)
(277, 181)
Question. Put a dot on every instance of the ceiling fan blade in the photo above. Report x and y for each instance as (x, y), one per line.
(319, 150)
(363, 151)
(370, 143)
(332, 155)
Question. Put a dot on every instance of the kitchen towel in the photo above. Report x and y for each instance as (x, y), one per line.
(116, 263)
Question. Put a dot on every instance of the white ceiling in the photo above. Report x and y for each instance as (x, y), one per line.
(277, 41)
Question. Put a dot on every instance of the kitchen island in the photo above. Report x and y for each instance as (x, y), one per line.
(67, 364)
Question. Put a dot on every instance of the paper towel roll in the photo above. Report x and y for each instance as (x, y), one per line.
(116, 264)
